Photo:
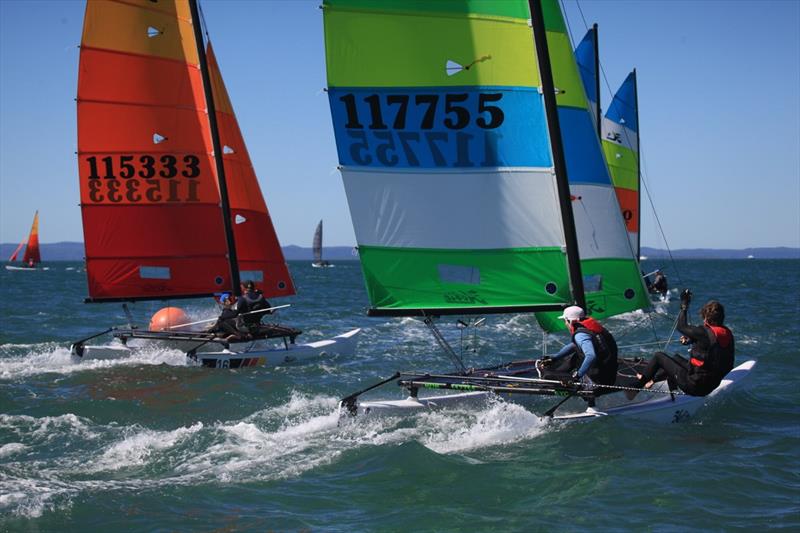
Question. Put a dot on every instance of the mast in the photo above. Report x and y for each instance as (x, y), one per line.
(597, 79)
(212, 122)
(638, 167)
(559, 163)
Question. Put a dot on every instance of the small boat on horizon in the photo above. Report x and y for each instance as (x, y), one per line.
(317, 249)
(32, 256)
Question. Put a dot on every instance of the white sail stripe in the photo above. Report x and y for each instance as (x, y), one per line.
(463, 210)
(624, 135)
(598, 223)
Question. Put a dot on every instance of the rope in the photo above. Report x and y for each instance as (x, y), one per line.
(617, 387)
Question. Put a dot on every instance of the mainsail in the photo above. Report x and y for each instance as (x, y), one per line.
(31, 256)
(317, 245)
(448, 166)
(151, 193)
(612, 280)
(621, 148)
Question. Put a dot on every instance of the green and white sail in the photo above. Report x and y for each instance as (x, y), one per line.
(445, 155)
(612, 281)
(621, 148)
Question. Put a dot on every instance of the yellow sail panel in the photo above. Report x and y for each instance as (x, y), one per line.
(497, 53)
(163, 30)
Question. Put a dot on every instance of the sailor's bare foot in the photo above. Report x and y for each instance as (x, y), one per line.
(638, 376)
(648, 384)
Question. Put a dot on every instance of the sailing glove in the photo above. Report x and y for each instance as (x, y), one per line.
(686, 298)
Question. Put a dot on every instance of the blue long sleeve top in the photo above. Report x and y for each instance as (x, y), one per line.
(585, 341)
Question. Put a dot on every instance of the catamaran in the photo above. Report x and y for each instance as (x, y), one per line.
(31, 258)
(170, 202)
(477, 184)
(317, 249)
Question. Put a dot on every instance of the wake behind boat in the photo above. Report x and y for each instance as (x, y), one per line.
(170, 202)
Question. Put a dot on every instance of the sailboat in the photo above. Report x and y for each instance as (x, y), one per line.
(170, 202)
(619, 133)
(317, 249)
(478, 190)
(32, 257)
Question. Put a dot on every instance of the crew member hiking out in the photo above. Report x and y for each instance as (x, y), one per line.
(591, 357)
(252, 300)
(228, 325)
(660, 284)
(711, 353)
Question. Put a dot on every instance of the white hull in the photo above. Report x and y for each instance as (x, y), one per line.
(317, 265)
(260, 353)
(11, 267)
(654, 406)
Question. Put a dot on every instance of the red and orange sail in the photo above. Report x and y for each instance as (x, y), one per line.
(32, 256)
(153, 225)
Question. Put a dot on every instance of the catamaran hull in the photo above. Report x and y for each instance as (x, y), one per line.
(251, 354)
(654, 406)
(11, 267)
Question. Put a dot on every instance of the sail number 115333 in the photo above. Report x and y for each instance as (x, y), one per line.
(143, 178)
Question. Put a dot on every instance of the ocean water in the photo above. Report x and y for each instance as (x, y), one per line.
(150, 443)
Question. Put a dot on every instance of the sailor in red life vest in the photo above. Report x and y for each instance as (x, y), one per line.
(711, 353)
(593, 352)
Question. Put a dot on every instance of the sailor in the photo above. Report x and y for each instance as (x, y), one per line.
(660, 284)
(227, 323)
(591, 357)
(252, 300)
(711, 353)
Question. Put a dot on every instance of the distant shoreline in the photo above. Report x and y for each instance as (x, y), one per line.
(73, 251)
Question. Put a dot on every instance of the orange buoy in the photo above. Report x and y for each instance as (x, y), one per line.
(167, 318)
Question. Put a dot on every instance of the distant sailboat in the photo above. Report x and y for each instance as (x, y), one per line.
(32, 257)
(318, 261)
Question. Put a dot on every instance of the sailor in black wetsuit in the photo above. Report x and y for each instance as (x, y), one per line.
(226, 323)
(251, 300)
(712, 353)
(660, 284)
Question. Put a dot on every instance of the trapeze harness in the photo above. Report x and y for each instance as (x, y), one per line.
(604, 369)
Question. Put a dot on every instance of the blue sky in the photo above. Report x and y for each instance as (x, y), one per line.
(719, 93)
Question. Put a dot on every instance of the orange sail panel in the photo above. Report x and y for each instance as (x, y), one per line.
(150, 201)
(257, 246)
(32, 256)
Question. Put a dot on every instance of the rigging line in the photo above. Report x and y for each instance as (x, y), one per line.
(658, 220)
(569, 29)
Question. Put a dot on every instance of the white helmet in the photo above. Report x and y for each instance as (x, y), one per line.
(573, 312)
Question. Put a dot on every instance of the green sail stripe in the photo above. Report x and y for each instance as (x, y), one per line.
(407, 278)
(505, 8)
(553, 19)
(566, 76)
(624, 169)
(378, 51)
(618, 276)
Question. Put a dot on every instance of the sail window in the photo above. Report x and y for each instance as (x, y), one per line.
(239, 219)
(281, 285)
(551, 288)
(593, 283)
(153, 32)
(157, 139)
(154, 272)
(227, 150)
(459, 274)
(629, 294)
(218, 280)
(251, 275)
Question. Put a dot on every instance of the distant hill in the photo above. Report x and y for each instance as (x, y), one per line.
(781, 252)
(73, 251)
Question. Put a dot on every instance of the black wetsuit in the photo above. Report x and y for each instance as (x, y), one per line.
(709, 363)
(226, 322)
(252, 300)
(660, 284)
